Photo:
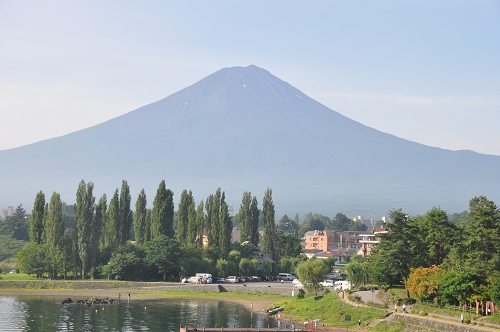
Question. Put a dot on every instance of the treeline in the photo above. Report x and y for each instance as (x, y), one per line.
(98, 245)
(438, 259)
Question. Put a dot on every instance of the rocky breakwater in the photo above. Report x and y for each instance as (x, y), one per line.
(91, 301)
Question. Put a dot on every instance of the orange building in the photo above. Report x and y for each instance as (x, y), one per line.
(329, 240)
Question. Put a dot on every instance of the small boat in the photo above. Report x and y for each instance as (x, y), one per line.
(274, 311)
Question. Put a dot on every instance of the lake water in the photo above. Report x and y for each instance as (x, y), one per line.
(44, 313)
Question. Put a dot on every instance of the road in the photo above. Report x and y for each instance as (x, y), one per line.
(366, 297)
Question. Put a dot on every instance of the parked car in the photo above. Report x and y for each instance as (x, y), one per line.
(232, 279)
(248, 279)
(255, 279)
(286, 276)
(221, 280)
(327, 283)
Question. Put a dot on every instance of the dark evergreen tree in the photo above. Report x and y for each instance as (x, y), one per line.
(84, 213)
(36, 221)
(216, 205)
(140, 218)
(125, 224)
(269, 239)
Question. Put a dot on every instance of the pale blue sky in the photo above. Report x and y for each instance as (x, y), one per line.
(426, 71)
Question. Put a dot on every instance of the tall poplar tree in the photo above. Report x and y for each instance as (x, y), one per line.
(126, 217)
(162, 216)
(36, 221)
(54, 230)
(140, 215)
(112, 228)
(254, 228)
(216, 217)
(269, 240)
(208, 218)
(245, 217)
(226, 228)
(84, 213)
(192, 231)
(200, 224)
(183, 216)
(97, 232)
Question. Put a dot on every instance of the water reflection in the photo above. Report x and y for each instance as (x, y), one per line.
(45, 314)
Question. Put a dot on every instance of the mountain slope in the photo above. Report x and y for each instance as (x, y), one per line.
(245, 129)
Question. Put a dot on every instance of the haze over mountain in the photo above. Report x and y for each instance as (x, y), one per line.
(240, 129)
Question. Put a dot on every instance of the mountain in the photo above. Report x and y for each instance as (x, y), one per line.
(240, 129)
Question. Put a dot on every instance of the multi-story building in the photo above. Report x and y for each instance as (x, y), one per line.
(369, 240)
(330, 240)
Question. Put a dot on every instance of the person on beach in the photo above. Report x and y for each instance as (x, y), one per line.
(129, 297)
(359, 323)
(404, 307)
(119, 296)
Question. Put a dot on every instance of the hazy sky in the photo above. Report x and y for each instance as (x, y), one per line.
(426, 71)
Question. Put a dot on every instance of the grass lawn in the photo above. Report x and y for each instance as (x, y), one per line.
(330, 309)
(17, 276)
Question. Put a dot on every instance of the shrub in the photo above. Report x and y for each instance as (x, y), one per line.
(467, 321)
(300, 295)
(424, 313)
(327, 291)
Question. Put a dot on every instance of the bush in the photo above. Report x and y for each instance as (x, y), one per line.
(300, 295)
(327, 291)
(424, 313)
(467, 321)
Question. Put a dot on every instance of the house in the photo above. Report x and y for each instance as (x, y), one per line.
(369, 240)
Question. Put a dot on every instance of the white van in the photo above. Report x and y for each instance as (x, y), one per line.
(286, 276)
(207, 277)
(232, 279)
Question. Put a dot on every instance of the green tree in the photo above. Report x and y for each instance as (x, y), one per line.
(126, 264)
(357, 272)
(17, 225)
(162, 216)
(96, 232)
(288, 225)
(140, 215)
(457, 287)
(208, 219)
(311, 273)
(200, 223)
(268, 241)
(440, 235)
(483, 236)
(112, 228)
(254, 229)
(36, 220)
(33, 259)
(164, 253)
(215, 212)
(340, 222)
(226, 228)
(192, 231)
(126, 215)
(246, 267)
(84, 213)
(54, 229)
(183, 215)
(222, 268)
(394, 252)
(289, 244)
(245, 217)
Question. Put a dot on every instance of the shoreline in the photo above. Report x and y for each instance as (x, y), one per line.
(255, 305)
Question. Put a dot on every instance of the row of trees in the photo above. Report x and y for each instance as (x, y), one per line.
(454, 263)
(101, 229)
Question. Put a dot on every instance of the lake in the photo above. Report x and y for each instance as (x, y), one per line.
(44, 313)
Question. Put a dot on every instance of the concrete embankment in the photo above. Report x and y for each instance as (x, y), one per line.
(412, 323)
